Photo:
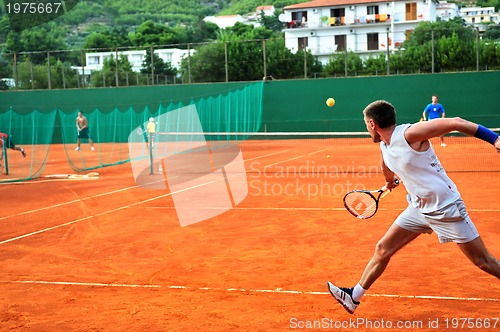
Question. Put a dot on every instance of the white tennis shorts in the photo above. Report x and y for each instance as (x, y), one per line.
(452, 223)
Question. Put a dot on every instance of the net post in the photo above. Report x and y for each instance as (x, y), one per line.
(150, 145)
(4, 154)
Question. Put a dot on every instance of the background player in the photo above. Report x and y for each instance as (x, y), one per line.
(435, 111)
(82, 125)
(9, 144)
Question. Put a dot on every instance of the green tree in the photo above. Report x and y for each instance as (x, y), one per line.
(162, 70)
(492, 32)
(113, 69)
(107, 39)
(150, 34)
(337, 64)
(271, 22)
(452, 43)
(37, 41)
(376, 65)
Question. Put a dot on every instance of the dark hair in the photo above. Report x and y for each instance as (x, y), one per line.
(382, 113)
(435, 95)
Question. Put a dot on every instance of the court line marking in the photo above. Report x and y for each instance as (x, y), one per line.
(301, 208)
(97, 195)
(242, 290)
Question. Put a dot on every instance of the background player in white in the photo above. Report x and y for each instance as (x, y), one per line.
(434, 203)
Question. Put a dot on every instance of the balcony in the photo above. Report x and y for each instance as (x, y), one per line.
(341, 21)
(372, 18)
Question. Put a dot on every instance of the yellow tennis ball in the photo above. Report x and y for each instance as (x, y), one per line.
(330, 102)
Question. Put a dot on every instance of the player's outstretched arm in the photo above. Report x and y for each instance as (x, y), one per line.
(425, 130)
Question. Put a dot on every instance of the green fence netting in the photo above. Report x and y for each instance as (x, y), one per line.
(33, 132)
(238, 110)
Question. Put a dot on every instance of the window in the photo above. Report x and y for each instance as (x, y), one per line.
(299, 18)
(408, 34)
(136, 58)
(372, 10)
(411, 11)
(372, 39)
(337, 12)
(340, 41)
(94, 60)
(303, 43)
(337, 16)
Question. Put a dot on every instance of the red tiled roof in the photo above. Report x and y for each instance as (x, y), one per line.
(329, 3)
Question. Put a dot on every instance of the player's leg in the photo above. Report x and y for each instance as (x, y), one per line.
(13, 146)
(476, 251)
(77, 144)
(408, 226)
(394, 239)
(442, 140)
(17, 148)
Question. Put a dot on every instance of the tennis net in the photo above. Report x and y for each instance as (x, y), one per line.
(307, 152)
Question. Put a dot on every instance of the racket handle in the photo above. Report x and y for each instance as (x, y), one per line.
(384, 188)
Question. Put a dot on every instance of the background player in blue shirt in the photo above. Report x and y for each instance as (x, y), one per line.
(436, 111)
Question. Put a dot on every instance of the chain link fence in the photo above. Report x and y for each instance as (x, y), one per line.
(247, 60)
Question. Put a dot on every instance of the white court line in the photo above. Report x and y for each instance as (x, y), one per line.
(301, 208)
(295, 158)
(98, 195)
(243, 290)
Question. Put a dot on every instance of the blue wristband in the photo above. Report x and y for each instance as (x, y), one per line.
(486, 135)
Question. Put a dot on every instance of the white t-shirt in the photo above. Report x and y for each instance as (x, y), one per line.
(426, 181)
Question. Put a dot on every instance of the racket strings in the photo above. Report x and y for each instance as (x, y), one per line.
(361, 204)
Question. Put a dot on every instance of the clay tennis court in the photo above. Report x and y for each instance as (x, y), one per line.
(103, 254)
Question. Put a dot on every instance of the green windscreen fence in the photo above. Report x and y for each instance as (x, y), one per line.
(234, 110)
(237, 110)
(32, 132)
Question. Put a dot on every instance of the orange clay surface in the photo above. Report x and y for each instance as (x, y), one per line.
(107, 255)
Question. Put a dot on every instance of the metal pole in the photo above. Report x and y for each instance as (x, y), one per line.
(83, 69)
(477, 49)
(264, 57)
(16, 81)
(32, 75)
(189, 63)
(305, 62)
(63, 78)
(117, 80)
(388, 56)
(345, 65)
(152, 66)
(226, 65)
(432, 53)
(49, 79)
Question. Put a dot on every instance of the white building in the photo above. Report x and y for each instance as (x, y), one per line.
(366, 27)
(95, 60)
(267, 10)
(225, 21)
(480, 17)
(447, 10)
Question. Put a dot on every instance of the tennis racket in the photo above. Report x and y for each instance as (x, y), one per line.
(363, 204)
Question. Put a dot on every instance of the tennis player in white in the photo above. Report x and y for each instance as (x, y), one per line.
(434, 203)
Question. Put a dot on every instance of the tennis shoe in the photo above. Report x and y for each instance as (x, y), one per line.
(24, 153)
(343, 296)
(443, 144)
(92, 149)
(77, 148)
